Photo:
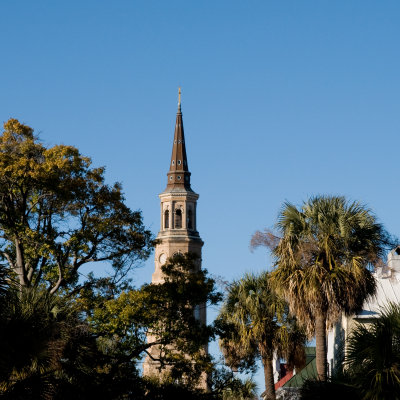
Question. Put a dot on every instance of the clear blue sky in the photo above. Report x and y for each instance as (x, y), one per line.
(282, 100)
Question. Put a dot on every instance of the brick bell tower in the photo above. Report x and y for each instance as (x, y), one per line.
(178, 232)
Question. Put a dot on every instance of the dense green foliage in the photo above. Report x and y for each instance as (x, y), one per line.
(373, 356)
(93, 343)
(164, 310)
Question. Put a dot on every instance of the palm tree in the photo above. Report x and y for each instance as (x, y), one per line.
(373, 356)
(38, 334)
(258, 324)
(322, 259)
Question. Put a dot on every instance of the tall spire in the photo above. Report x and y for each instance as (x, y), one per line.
(178, 174)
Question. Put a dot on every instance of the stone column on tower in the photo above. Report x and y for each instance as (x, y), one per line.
(178, 232)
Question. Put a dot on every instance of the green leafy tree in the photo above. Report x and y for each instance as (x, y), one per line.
(166, 312)
(50, 352)
(373, 356)
(57, 213)
(90, 344)
(63, 339)
(322, 258)
(254, 322)
(226, 386)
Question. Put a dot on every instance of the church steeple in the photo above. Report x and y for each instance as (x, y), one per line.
(178, 174)
(178, 231)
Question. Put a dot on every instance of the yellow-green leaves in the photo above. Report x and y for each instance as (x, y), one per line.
(57, 213)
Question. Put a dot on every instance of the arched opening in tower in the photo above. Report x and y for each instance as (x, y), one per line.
(178, 219)
(190, 220)
(166, 219)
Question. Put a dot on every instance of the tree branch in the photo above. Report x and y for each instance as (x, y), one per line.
(60, 280)
(9, 260)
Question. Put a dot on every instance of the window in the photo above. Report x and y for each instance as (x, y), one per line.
(173, 162)
(190, 220)
(166, 219)
(178, 219)
(179, 162)
(197, 312)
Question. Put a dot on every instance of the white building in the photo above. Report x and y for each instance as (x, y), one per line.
(388, 290)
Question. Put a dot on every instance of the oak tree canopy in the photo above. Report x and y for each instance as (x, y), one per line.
(57, 213)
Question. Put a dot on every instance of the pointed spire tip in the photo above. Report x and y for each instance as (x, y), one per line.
(179, 99)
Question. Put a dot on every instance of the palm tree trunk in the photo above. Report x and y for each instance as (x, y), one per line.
(269, 379)
(321, 350)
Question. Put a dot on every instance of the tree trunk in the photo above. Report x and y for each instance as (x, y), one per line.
(269, 379)
(321, 350)
(20, 263)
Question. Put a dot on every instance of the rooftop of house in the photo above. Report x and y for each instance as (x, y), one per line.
(308, 372)
(295, 381)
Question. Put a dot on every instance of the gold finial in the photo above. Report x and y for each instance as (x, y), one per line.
(179, 96)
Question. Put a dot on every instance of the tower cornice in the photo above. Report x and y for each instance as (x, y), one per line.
(181, 194)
